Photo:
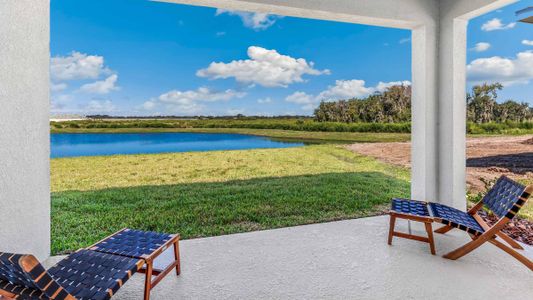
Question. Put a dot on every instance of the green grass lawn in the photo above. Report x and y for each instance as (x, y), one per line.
(212, 193)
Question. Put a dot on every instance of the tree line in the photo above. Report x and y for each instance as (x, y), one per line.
(394, 106)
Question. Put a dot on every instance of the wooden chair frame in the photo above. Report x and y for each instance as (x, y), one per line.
(51, 289)
(159, 274)
(427, 223)
(148, 269)
(492, 232)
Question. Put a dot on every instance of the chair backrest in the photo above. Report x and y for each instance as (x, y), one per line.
(24, 275)
(506, 197)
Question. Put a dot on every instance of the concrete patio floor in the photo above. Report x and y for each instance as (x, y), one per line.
(338, 260)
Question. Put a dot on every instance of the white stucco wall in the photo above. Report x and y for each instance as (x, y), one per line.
(24, 128)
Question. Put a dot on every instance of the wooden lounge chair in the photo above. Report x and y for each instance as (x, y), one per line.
(95, 273)
(82, 275)
(504, 199)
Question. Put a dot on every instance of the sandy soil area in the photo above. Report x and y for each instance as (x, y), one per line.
(487, 157)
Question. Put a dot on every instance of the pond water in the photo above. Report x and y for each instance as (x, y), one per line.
(92, 144)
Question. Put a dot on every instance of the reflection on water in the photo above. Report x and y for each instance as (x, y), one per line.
(91, 144)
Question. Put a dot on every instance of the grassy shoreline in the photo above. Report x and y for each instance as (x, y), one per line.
(289, 123)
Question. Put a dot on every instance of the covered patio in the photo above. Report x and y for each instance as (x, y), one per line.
(347, 259)
(338, 260)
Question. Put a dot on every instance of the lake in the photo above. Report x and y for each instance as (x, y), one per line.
(92, 144)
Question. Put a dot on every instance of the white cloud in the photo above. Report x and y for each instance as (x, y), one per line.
(507, 71)
(264, 100)
(255, 21)
(221, 33)
(301, 98)
(496, 24)
(383, 86)
(149, 105)
(60, 103)
(343, 89)
(307, 102)
(99, 107)
(77, 66)
(102, 86)
(527, 42)
(265, 67)
(480, 47)
(404, 40)
(190, 102)
(57, 87)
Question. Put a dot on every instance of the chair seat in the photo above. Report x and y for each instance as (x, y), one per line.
(132, 243)
(93, 275)
(455, 218)
(410, 207)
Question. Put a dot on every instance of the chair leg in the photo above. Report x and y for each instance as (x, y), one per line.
(177, 257)
(509, 240)
(444, 229)
(466, 248)
(429, 230)
(391, 227)
(513, 253)
(502, 235)
(148, 280)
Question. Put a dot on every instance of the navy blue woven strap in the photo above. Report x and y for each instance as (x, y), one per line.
(91, 275)
(21, 292)
(133, 243)
(25, 277)
(503, 199)
(410, 207)
(455, 218)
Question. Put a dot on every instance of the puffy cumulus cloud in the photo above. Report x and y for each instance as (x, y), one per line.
(99, 107)
(102, 86)
(77, 66)
(508, 71)
(343, 89)
(383, 86)
(496, 24)
(265, 67)
(255, 21)
(190, 102)
(300, 98)
(57, 87)
(480, 47)
(527, 42)
(306, 101)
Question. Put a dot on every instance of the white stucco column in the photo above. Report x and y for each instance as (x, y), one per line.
(439, 113)
(452, 112)
(424, 111)
(24, 127)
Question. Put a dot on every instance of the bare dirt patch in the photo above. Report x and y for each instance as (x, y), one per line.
(487, 158)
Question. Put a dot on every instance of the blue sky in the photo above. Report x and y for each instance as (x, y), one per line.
(134, 57)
